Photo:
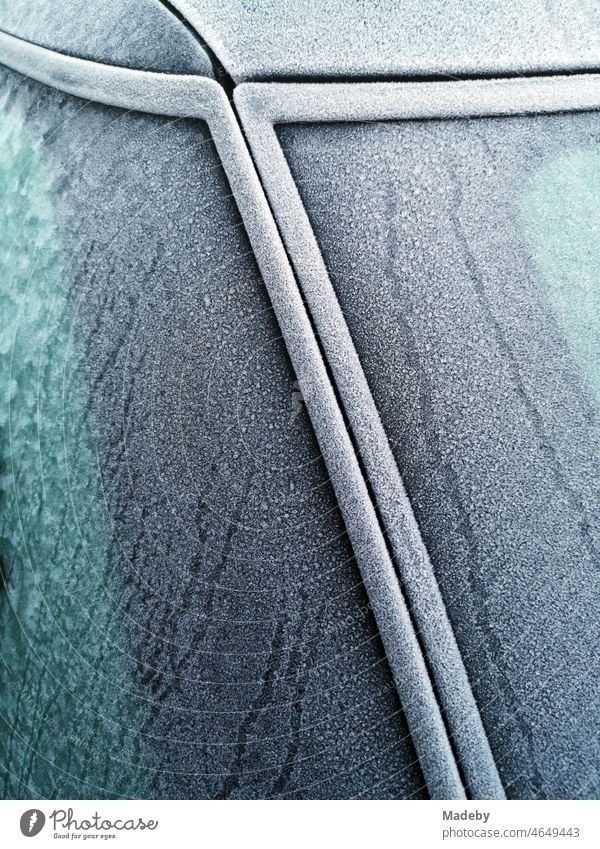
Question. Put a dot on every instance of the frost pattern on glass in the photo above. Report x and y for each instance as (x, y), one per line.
(464, 257)
(232, 638)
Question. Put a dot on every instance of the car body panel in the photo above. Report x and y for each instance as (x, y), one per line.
(141, 34)
(348, 39)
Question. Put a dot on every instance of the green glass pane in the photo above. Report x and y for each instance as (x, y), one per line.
(561, 216)
(66, 711)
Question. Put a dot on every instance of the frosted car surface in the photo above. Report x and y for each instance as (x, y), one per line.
(299, 419)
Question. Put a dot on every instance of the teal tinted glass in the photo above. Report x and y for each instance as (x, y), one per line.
(67, 705)
(561, 220)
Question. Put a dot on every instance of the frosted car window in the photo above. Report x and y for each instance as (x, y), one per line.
(464, 255)
(182, 614)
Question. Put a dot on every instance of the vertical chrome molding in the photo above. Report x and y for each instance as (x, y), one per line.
(261, 107)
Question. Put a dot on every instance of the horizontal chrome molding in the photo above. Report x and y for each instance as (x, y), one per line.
(287, 103)
(261, 107)
(204, 99)
(181, 95)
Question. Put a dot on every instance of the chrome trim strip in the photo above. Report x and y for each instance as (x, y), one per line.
(263, 105)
